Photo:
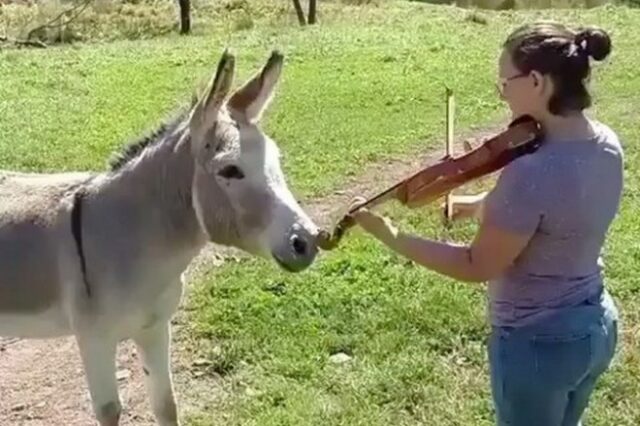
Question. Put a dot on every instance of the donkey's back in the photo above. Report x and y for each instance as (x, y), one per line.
(34, 247)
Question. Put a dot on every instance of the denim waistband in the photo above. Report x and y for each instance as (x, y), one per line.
(573, 319)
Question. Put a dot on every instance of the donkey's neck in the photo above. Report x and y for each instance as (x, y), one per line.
(148, 203)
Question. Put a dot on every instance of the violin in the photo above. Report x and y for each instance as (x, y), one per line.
(521, 137)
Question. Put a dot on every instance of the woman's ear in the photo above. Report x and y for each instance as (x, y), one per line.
(537, 78)
(539, 82)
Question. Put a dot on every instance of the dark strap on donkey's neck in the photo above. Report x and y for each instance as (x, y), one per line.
(76, 230)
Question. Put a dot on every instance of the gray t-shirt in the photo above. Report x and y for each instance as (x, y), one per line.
(566, 194)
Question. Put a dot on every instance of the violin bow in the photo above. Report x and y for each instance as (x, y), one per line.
(448, 209)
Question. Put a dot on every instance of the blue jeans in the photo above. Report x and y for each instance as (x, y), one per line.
(544, 374)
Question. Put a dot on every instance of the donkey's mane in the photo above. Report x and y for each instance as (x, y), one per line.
(133, 149)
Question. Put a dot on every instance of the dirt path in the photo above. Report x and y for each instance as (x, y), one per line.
(42, 382)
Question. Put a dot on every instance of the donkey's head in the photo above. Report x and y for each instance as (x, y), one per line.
(240, 195)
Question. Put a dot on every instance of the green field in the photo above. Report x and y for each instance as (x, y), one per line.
(351, 95)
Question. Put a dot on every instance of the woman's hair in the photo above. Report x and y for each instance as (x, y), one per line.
(552, 48)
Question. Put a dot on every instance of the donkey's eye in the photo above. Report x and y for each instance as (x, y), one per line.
(231, 172)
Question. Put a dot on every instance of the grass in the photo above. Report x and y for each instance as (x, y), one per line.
(351, 95)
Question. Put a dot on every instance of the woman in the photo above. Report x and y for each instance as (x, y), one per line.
(554, 327)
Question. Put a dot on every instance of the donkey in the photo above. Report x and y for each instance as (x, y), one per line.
(100, 256)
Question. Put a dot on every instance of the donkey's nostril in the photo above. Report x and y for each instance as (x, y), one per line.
(299, 246)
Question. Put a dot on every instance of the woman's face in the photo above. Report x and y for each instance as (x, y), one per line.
(525, 93)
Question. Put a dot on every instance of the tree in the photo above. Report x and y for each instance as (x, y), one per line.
(185, 16)
(312, 12)
(300, 13)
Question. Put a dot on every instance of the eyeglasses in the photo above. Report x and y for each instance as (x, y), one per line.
(502, 83)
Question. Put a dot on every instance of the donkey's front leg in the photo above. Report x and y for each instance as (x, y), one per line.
(98, 355)
(154, 345)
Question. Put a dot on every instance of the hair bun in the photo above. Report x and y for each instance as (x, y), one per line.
(595, 42)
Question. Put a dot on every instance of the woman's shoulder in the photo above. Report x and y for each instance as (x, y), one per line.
(608, 138)
(524, 166)
(522, 174)
(551, 159)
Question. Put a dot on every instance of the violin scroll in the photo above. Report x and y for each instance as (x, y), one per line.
(327, 240)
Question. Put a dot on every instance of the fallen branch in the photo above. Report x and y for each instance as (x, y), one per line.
(80, 7)
(19, 42)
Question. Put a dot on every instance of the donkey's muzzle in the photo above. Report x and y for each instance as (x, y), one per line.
(298, 253)
(299, 245)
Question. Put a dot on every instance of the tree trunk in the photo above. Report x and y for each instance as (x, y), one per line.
(185, 16)
(312, 12)
(299, 12)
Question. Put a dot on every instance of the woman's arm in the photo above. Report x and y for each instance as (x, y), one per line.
(490, 253)
(510, 214)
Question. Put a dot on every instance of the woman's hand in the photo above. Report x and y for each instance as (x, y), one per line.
(466, 206)
(378, 226)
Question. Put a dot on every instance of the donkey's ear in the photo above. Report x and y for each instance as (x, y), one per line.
(250, 100)
(205, 112)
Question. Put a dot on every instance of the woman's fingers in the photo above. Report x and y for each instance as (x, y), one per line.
(464, 206)
(356, 202)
